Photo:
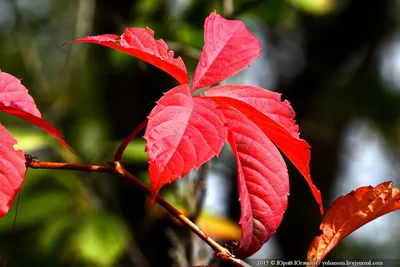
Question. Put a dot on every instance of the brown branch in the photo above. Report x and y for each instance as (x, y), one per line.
(35, 164)
(117, 168)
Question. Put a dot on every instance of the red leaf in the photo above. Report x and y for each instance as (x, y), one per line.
(265, 101)
(15, 100)
(228, 48)
(263, 181)
(13, 94)
(44, 125)
(183, 132)
(350, 212)
(297, 150)
(140, 43)
(12, 170)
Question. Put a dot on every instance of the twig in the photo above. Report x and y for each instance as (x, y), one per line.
(117, 168)
(191, 209)
(125, 143)
(34, 164)
(13, 230)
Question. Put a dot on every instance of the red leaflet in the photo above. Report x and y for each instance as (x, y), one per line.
(12, 170)
(350, 212)
(140, 43)
(15, 100)
(14, 95)
(265, 101)
(228, 48)
(44, 125)
(297, 150)
(263, 181)
(183, 133)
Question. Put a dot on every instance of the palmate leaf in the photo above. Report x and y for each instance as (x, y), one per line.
(184, 132)
(15, 100)
(140, 43)
(350, 212)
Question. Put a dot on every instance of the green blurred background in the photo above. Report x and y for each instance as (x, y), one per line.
(336, 61)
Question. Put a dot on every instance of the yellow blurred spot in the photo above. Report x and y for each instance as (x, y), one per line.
(214, 226)
(315, 7)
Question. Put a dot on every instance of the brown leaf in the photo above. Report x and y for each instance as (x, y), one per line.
(350, 212)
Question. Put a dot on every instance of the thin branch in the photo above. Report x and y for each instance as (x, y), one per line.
(117, 168)
(125, 143)
(35, 164)
(178, 215)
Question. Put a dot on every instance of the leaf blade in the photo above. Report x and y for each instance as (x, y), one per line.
(183, 132)
(39, 122)
(350, 212)
(228, 48)
(12, 170)
(297, 150)
(140, 43)
(263, 182)
(15, 100)
(15, 95)
(267, 102)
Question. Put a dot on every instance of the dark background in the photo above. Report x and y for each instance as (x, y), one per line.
(336, 61)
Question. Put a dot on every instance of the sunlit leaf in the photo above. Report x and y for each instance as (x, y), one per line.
(15, 100)
(350, 212)
(12, 170)
(140, 43)
(228, 48)
(182, 133)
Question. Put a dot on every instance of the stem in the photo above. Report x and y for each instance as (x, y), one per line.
(117, 168)
(124, 144)
(34, 164)
(182, 218)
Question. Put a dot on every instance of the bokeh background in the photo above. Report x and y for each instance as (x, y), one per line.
(336, 61)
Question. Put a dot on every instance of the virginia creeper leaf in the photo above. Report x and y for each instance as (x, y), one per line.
(263, 182)
(228, 48)
(183, 132)
(350, 212)
(297, 150)
(12, 170)
(265, 101)
(140, 43)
